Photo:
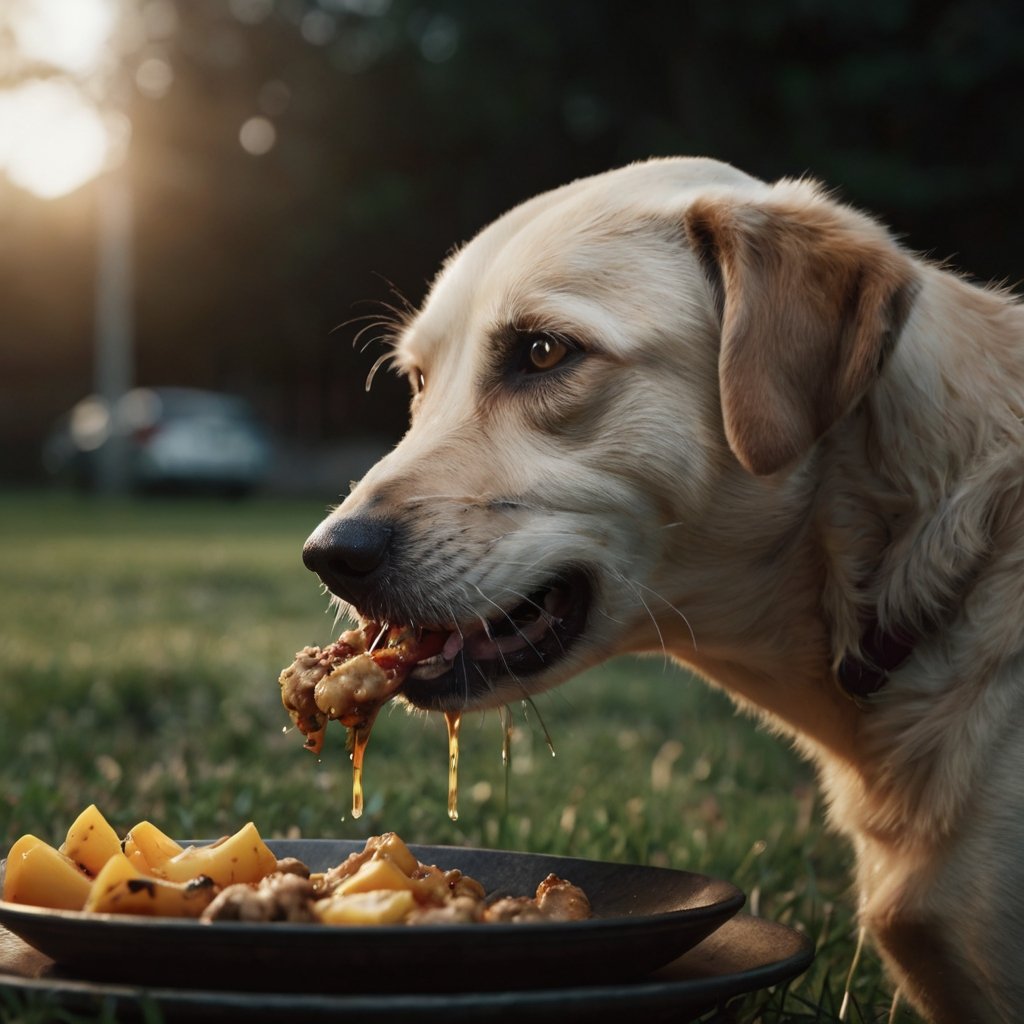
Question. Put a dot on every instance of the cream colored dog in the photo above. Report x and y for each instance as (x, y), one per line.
(675, 407)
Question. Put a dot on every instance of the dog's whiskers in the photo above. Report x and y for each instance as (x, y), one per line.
(611, 618)
(397, 318)
(372, 321)
(528, 567)
(501, 654)
(636, 589)
(338, 613)
(526, 599)
(508, 671)
(543, 612)
(529, 702)
(636, 586)
(512, 622)
(380, 636)
(342, 609)
(480, 672)
(405, 311)
(382, 360)
(651, 615)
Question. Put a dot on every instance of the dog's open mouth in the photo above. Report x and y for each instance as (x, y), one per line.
(475, 658)
(444, 668)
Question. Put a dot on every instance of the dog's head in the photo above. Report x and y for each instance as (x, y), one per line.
(615, 387)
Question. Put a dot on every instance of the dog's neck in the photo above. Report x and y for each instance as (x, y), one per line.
(769, 644)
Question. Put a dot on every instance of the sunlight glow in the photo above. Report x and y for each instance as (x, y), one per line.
(51, 140)
(53, 137)
(71, 36)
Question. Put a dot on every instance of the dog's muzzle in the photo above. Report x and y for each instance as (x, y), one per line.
(482, 648)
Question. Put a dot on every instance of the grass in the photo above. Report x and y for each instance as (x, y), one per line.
(139, 656)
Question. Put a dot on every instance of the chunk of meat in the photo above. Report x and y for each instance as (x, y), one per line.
(458, 910)
(292, 866)
(555, 900)
(513, 910)
(347, 681)
(299, 680)
(277, 897)
(559, 900)
(354, 689)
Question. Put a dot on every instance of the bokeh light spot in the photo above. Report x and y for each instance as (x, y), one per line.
(258, 136)
(251, 12)
(317, 27)
(154, 78)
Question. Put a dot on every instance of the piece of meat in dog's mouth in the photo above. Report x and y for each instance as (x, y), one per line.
(512, 644)
(445, 668)
(437, 668)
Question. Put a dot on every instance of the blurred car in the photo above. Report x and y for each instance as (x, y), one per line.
(170, 439)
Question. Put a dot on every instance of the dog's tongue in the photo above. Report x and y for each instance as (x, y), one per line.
(452, 646)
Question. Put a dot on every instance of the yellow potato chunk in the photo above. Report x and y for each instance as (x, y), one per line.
(40, 875)
(381, 906)
(121, 889)
(91, 841)
(374, 875)
(242, 857)
(390, 847)
(148, 848)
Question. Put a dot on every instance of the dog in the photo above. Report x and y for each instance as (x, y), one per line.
(674, 407)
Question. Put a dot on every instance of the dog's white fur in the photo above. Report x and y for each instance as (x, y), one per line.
(783, 426)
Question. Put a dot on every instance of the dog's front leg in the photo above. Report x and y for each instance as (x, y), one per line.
(929, 973)
(945, 943)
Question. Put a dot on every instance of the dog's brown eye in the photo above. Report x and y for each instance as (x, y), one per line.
(419, 382)
(545, 353)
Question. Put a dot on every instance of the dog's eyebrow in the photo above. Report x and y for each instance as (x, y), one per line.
(404, 359)
(529, 327)
(413, 349)
(571, 316)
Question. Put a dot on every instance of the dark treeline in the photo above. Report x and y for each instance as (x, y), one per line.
(402, 127)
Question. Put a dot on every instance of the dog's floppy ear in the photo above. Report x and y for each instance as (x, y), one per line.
(810, 296)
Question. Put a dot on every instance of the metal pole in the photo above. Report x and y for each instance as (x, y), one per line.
(114, 370)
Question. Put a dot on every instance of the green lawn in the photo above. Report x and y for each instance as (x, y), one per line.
(139, 654)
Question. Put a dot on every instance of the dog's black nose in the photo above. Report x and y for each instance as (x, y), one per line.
(347, 554)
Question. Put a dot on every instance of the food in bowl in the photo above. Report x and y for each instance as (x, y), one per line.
(238, 878)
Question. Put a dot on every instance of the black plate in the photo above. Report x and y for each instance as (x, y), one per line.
(744, 955)
(643, 918)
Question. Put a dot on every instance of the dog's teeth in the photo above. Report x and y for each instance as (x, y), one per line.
(431, 668)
